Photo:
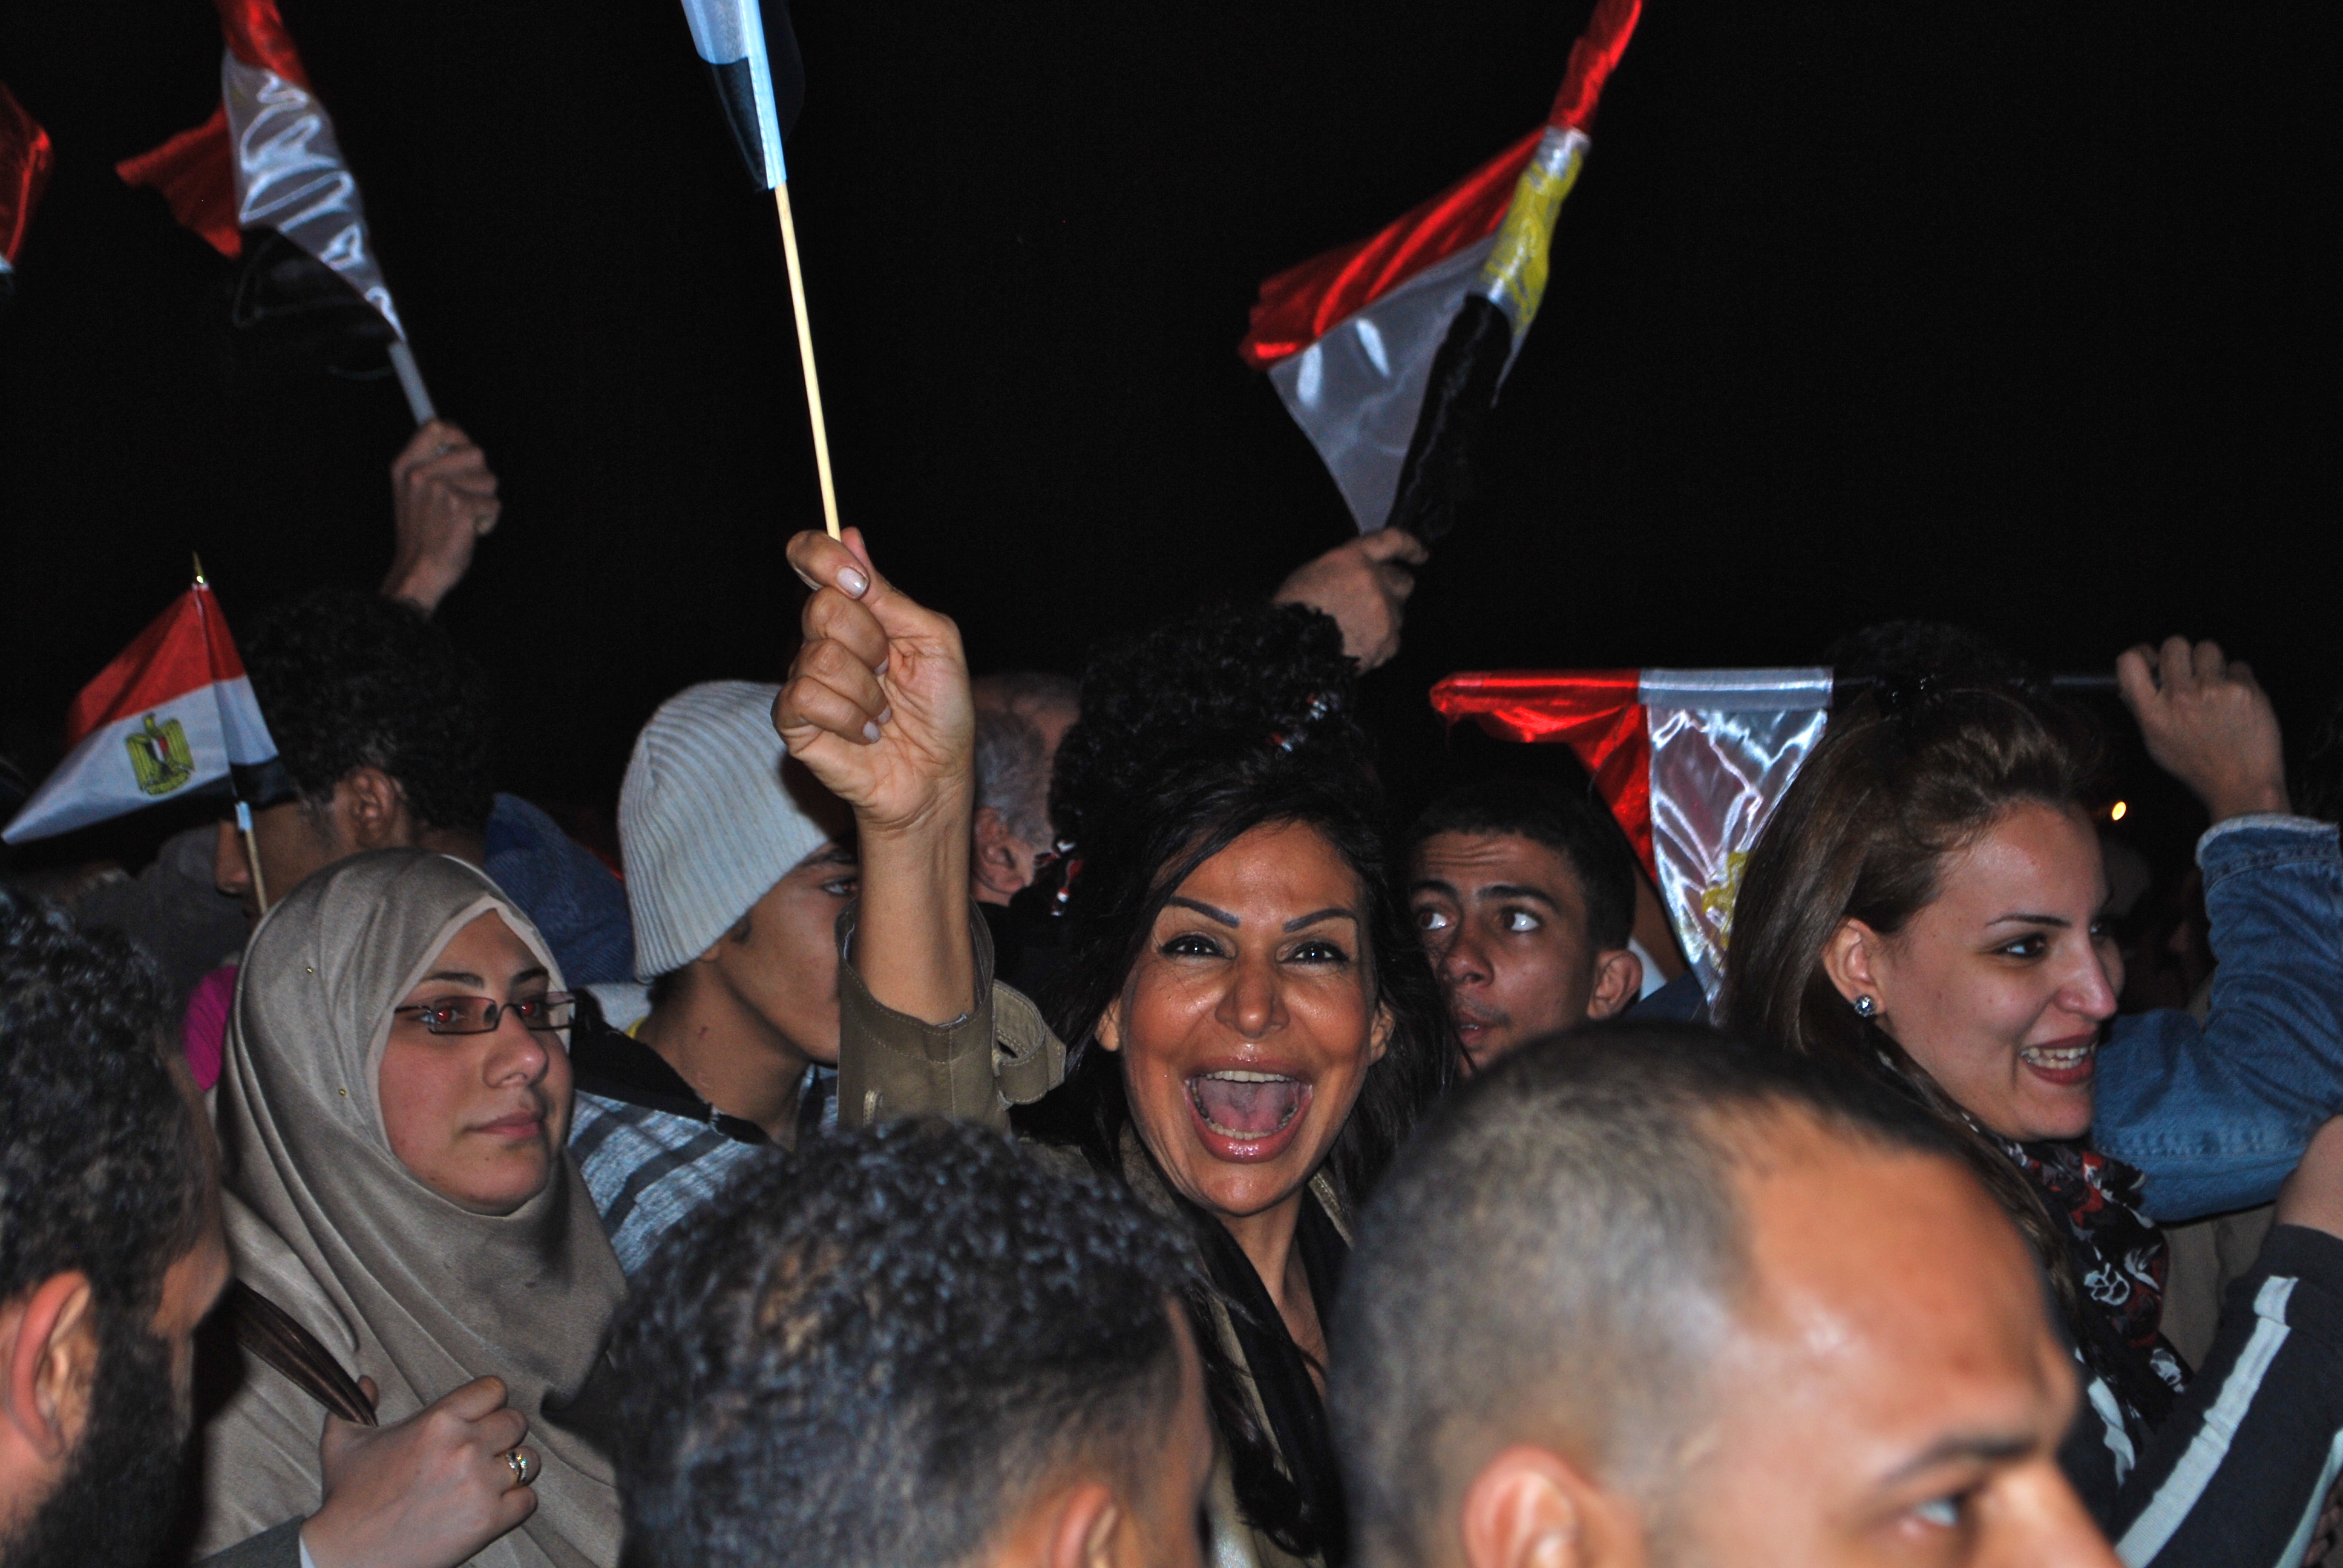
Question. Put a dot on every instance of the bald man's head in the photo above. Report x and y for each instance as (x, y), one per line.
(1641, 1295)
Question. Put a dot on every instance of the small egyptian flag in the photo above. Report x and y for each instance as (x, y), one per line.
(25, 161)
(172, 714)
(267, 160)
(759, 77)
(1389, 352)
(1692, 763)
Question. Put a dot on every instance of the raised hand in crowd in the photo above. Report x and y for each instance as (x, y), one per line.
(1364, 585)
(2208, 724)
(877, 706)
(443, 501)
(426, 1493)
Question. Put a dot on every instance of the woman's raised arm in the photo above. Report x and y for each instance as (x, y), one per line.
(876, 706)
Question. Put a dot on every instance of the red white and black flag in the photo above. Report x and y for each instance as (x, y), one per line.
(171, 715)
(1389, 352)
(1692, 763)
(25, 161)
(267, 160)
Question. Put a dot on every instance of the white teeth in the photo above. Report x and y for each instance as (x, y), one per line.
(1233, 1076)
(2069, 1056)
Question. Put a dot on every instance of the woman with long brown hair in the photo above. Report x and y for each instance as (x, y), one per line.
(1927, 908)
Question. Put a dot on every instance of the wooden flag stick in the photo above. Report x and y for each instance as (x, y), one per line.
(252, 856)
(805, 357)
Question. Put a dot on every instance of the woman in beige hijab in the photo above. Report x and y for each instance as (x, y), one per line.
(393, 1117)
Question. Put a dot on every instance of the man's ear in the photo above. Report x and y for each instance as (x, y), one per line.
(1618, 982)
(1852, 959)
(372, 810)
(1087, 1518)
(1001, 865)
(1531, 1508)
(48, 1355)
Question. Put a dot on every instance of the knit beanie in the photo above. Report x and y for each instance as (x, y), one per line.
(705, 821)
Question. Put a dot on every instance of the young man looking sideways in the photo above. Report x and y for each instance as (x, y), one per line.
(1525, 898)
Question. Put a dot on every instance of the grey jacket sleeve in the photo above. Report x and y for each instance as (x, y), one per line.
(279, 1547)
(997, 1054)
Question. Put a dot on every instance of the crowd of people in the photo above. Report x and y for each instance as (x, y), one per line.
(1023, 1121)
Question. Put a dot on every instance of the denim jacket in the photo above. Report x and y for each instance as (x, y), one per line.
(2217, 1113)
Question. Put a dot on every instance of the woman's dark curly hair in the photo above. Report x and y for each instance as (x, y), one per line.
(1231, 721)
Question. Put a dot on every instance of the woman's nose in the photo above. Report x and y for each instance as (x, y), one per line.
(519, 1054)
(1251, 1005)
(2091, 987)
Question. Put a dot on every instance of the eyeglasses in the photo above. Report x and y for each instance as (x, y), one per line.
(480, 1015)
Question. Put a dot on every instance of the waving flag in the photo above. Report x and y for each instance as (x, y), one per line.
(1388, 353)
(25, 160)
(761, 81)
(1692, 762)
(171, 714)
(268, 159)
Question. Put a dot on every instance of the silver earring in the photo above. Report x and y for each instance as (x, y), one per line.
(1864, 1007)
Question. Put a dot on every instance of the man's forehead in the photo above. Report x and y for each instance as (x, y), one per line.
(1886, 1283)
(1467, 861)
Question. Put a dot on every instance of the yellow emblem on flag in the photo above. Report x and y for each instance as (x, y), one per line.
(1513, 277)
(1716, 902)
(159, 755)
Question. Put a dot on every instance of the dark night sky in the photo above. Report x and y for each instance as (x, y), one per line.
(2023, 315)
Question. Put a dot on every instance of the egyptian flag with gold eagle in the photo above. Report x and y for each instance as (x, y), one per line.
(266, 173)
(173, 713)
(1692, 763)
(26, 162)
(1389, 352)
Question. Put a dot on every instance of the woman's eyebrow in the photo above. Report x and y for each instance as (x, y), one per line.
(1297, 921)
(454, 977)
(534, 971)
(1209, 913)
(2060, 921)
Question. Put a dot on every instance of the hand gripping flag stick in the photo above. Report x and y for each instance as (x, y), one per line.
(730, 37)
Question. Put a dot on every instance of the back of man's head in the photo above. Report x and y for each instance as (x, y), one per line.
(877, 1350)
(1567, 822)
(101, 1170)
(104, 1180)
(348, 680)
(1558, 1261)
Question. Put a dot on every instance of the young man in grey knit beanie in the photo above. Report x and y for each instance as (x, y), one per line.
(737, 866)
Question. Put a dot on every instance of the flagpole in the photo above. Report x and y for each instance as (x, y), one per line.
(252, 855)
(243, 810)
(805, 356)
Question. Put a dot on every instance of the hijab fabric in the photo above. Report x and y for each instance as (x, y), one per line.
(400, 1284)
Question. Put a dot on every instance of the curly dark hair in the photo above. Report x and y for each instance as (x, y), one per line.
(1233, 718)
(870, 1348)
(1242, 675)
(101, 1167)
(350, 680)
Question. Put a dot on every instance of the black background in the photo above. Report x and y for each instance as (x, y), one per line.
(2021, 316)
